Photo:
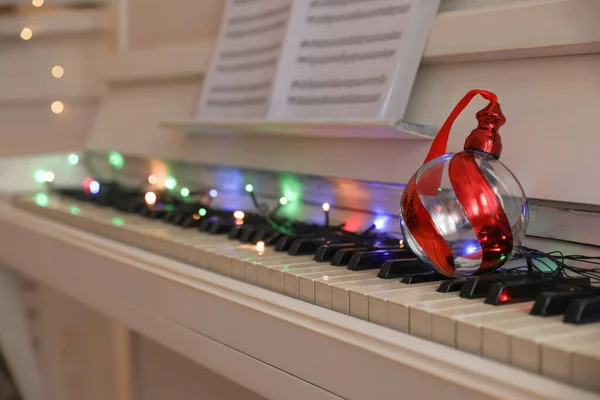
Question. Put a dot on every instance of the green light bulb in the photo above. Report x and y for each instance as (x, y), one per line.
(116, 159)
(185, 192)
(73, 159)
(283, 201)
(170, 183)
(118, 221)
(249, 188)
(202, 212)
(75, 210)
(40, 176)
(41, 199)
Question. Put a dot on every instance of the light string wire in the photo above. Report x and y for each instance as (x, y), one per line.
(555, 263)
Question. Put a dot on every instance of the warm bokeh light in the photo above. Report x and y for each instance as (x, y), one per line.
(37, 3)
(239, 215)
(26, 33)
(260, 246)
(150, 198)
(153, 179)
(57, 107)
(58, 71)
(49, 177)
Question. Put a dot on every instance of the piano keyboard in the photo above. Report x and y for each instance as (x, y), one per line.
(412, 304)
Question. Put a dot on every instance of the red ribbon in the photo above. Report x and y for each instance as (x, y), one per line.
(438, 147)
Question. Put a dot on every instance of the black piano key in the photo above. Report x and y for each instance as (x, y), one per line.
(205, 224)
(220, 227)
(478, 286)
(583, 311)
(263, 234)
(375, 258)
(555, 303)
(284, 243)
(326, 251)
(135, 207)
(247, 233)
(394, 269)
(451, 285)
(157, 214)
(518, 291)
(430, 276)
(271, 240)
(304, 247)
(191, 221)
(235, 231)
(178, 219)
(343, 256)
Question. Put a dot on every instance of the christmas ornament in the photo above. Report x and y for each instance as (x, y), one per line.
(465, 213)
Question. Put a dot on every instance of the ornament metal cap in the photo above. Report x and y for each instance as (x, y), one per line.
(485, 137)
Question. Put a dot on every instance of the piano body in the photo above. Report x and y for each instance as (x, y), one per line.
(152, 308)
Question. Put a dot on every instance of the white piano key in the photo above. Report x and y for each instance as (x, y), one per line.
(469, 330)
(340, 294)
(250, 265)
(378, 306)
(496, 337)
(264, 270)
(444, 322)
(557, 355)
(322, 285)
(306, 282)
(277, 275)
(359, 301)
(398, 310)
(291, 286)
(309, 285)
(420, 313)
(224, 258)
(586, 366)
(526, 349)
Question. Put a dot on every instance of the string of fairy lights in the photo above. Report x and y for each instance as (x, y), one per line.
(57, 71)
(170, 183)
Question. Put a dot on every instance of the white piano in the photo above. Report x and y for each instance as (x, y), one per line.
(128, 307)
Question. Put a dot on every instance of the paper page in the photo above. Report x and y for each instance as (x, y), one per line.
(240, 78)
(348, 59)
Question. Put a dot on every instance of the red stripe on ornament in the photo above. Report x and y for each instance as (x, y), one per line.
(483, 209)
(420, 224)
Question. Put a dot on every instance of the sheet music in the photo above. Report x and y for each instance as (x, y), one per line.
(240, 78)
(350, 58)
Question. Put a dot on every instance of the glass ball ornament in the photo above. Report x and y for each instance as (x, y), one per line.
(465, 213)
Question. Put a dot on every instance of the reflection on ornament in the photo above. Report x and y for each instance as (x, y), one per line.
(477, 220)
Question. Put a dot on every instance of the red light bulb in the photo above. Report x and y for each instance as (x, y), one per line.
(504, 297)
(86, 184)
